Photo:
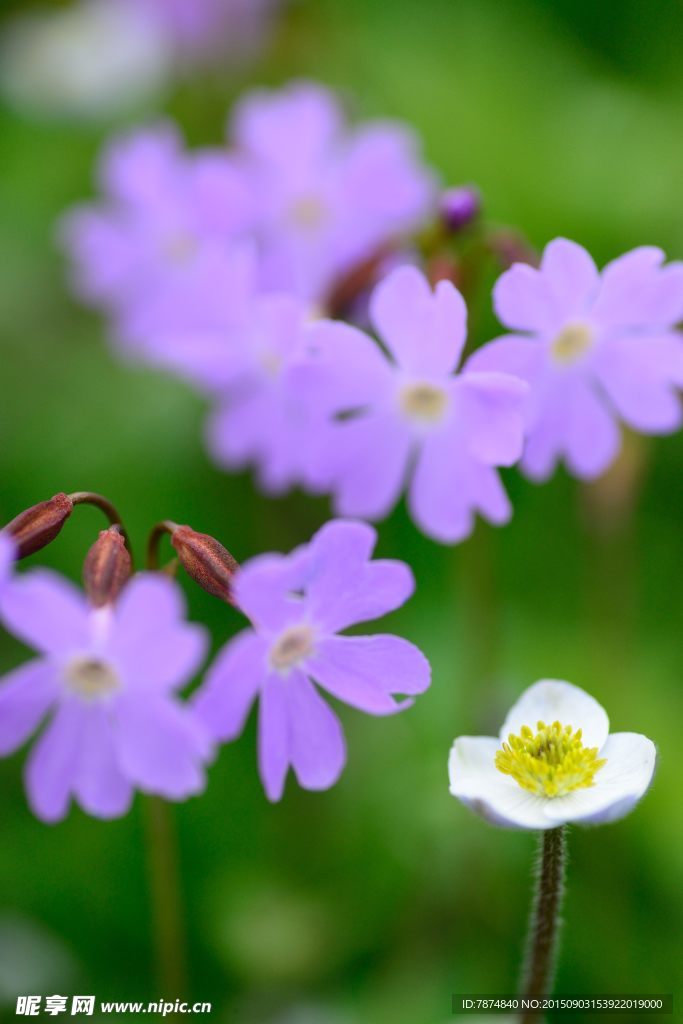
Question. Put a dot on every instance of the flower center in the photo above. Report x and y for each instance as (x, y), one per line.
(551, 762)
(180, 248)
(90, 678)
(291, 648)
(308, 212)
(424, 403)
(571, 343)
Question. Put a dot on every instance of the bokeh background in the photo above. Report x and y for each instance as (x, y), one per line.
(374, 902)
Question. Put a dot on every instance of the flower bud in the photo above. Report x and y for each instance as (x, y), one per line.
(206, 561)
(460, 207)
(39, 525)
(107, 567)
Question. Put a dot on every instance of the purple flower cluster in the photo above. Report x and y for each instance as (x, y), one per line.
(312, 195)
(215, 265)
(104, 689)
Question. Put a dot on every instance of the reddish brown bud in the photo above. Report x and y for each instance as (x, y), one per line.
(107, 567)
(39, 525)
(206, 561)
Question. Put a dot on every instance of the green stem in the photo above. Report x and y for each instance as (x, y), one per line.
(545, 923)
(166, 901)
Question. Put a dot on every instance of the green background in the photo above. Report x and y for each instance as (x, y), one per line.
(373, 902)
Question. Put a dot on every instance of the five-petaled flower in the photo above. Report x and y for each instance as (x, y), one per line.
(107, 677)
(408, 418)
(297, 605)
(554, 762)
(327, 197)
(593, 347)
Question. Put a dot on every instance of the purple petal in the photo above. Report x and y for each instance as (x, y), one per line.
(519, 357)
(358, 372)
(267, 589)
(365, 671)
(231, 686)
(46, 611)
(637, 292)
(572, 275)
(273, 737)
(26, 695)
(161, 746)
(316, 741)
(640, 376)
(592, 438)
(384, 189)
(424, 330)
(99, 784)
(449, 487)
(524, 300)
(492, 408)
(53, 763)
(265, 123)
(150, 640)
(142, 167)
(370, 457)
(343, 587)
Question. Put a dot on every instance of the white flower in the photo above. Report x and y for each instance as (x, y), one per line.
(555, 762)
(91, 59)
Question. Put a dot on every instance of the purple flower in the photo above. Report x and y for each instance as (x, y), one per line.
(253, 364)
(297, 605)
(594, 347)
(408, 420)
(201, 28)
(327, 197)
(161, 239)
(106, 679)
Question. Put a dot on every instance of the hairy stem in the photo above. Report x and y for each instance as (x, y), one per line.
(166, 900)
(545, 922)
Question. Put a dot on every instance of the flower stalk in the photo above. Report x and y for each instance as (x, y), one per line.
(539, 970)
(165, 896)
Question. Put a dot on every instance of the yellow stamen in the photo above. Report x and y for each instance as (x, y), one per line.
(308, 212)
(551, 762)
(424, 403)
(571, 343)
(291, 648)
(90, 678)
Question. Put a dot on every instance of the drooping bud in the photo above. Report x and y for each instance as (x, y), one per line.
(107, 567)
(39, 525)
(206, 561)
(459, 207)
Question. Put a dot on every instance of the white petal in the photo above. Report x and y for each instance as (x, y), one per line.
(552, 700)
(477, 783)
(618, 786)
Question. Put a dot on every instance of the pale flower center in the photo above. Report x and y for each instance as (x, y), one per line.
(571, 343)
(291, 648)
(308, 212)
(424, 403)
(180, 248)
(551, 762)
(90, 678)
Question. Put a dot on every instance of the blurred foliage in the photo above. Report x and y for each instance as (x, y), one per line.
(372, 903)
